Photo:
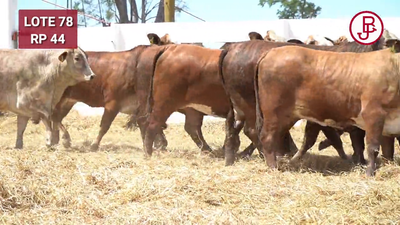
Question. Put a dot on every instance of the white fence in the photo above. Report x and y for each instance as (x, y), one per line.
(120, 37)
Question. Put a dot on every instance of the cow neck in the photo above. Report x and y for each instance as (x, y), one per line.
(60, 84)
(55, 85)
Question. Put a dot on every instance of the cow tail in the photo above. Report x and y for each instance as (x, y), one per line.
(221, 75)
(259, 115)
(150, 101)
(220, 64)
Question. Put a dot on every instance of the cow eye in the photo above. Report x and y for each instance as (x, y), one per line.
(77, 59)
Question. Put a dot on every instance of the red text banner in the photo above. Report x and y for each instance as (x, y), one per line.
(48, 29)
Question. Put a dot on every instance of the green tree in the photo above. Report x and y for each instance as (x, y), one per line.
(294, 9)
(124, 11)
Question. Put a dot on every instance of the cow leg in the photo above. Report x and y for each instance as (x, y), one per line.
(388, 147)
(232, 140)
(22, 122)
(336, 142)
(49, 131)
(272, 136)
(357, 141)
(193, 123)
(66, 137)
(251, 133)
(160, 142)
(156, 120)
(290, 145)
(327, 143)
(310, 137)
(62, 110)
(374, 117)
(110, 112)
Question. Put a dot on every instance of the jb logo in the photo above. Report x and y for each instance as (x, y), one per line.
(366, 27)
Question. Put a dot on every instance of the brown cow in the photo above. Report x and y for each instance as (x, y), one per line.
(116, 88)
(185, 76)
(333, 89)
(193, 117)
(239, 65)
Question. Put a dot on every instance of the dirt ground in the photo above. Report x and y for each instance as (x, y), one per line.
(117, 185)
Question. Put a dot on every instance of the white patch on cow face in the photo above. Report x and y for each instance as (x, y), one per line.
(201, 108)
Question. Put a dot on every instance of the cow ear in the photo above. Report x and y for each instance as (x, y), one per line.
(393, 44)
(255, 36)
(63, 56)
(165, 39)
(153, 38)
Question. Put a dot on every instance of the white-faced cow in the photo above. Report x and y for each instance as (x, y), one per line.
(33, 81)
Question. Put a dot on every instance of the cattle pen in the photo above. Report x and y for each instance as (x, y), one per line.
(118, 184)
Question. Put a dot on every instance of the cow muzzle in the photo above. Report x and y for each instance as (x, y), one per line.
(90, 77)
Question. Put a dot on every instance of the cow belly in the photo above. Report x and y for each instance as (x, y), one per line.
(201, 108)
(298, 114)
(129, 105)
(392, 123)
(9, 103)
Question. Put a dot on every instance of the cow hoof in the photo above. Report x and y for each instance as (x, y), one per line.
(66, 144)
(347, 158)
(357, 160)
(160, 147)
(229, 160)
(18, 147)
(206, 149)
(94, 147)
(370, 172)
(295, 158)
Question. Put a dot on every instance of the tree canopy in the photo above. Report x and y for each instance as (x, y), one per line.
(124, 11)
(294, 9)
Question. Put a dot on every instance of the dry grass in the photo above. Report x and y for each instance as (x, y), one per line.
(117, 185)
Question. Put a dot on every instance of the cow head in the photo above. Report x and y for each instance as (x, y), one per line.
(318, 40)
(156, 40)
(311, 40)
(74, 62)
(394, 44)
(255, 36)
(391, 41)
(341, 40)
(270, 35)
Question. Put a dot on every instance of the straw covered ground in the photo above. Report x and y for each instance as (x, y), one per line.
(117, 185)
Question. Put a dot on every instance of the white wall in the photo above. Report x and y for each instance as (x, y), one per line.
(121, 37)
(8, 13)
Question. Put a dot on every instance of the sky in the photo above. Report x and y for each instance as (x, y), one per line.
(249, 10)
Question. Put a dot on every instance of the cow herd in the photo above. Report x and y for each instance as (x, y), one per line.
(262, 86)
